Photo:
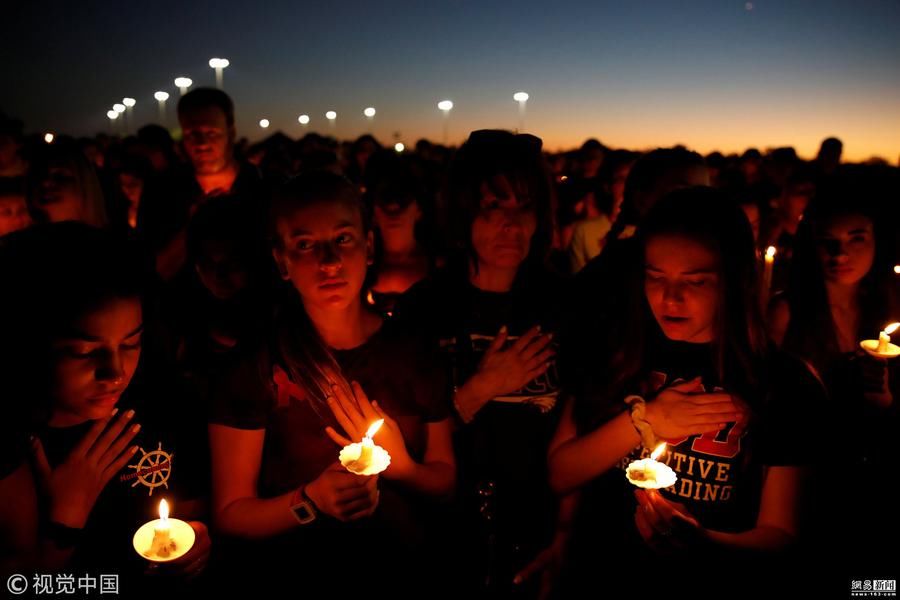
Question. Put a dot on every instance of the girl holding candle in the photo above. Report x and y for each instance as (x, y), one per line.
(492, 312)
(279, 489)
(72, 342)
(697, 363)
(842, 290)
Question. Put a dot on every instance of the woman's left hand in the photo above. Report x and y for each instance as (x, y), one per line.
(667, 526)
(355, 414)
(191, 564)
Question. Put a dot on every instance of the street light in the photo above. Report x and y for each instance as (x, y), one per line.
(113, 115)
(183, 83)
(331, 116)
(161, 98)
(48, 137)
(445, 106)
(129, 117)
(218, 64)
(303, 120)
(521, 98)
(399, 147)
(120, 110)
(369, 112)
(264, 123)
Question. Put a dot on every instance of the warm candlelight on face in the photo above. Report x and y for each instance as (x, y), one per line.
(365, 457)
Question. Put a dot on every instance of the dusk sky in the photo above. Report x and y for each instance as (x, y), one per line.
(711, 74)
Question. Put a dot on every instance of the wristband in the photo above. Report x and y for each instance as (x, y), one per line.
(303, 508)
(638, 408)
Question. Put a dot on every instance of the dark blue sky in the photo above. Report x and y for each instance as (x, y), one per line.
(710, 74)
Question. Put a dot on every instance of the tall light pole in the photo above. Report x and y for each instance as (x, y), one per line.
(183, 83)
(446, 106)
(119, 109)
(129, 115)
(112, 116)
(521, 98)
(161, 98)
(219, 65)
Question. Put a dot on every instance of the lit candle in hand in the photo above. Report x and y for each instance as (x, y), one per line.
(160, 545)
(650, 474)
(164, 539)
(769, 266)
(366, 458)
(882, 347)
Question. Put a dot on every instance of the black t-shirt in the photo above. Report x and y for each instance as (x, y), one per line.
(169, 210)
(395, 369)
(166, 465)
(719, 475)
(502, 454)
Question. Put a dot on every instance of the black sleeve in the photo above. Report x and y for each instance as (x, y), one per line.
(792, 420)
(242, 397)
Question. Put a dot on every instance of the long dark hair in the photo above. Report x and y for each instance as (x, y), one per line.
(739, 347)
(306, 357)
(54, 274)
(486, 154)
(811, 333)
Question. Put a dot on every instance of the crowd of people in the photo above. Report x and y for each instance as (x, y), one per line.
(525, 323)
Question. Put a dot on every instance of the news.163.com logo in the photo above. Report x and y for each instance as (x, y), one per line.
(873, 588)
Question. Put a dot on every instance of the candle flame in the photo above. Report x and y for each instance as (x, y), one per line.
(891, 328)
(897, 269)
(658, 451)
(370, 298)
(163, 509)
(374, 428)
(770, 252)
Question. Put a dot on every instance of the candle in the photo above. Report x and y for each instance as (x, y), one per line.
(882, 347)
(164, 539)
(769, 266)
(365, 457)
(650, 474)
